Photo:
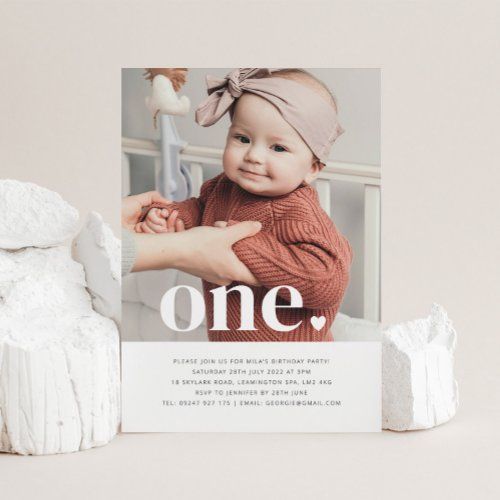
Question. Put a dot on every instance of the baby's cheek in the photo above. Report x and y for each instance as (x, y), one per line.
(283, 183)
(230, 158)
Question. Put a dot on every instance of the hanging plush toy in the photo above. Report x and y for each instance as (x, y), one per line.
(164, 100)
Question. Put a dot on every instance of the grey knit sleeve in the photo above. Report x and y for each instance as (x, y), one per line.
(128, 251)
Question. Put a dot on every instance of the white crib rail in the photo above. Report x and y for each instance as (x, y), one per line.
(368, 175)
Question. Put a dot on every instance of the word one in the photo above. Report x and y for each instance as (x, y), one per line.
(269, 306)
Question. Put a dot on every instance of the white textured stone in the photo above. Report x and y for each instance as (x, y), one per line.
(59, 384)
(419, 389)
(59, 359)
(41, 283)
(32, 216)
(99, 251)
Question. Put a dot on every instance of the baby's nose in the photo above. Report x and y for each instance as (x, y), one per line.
(254, 154)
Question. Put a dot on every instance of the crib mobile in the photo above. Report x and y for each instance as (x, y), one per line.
(174, 179)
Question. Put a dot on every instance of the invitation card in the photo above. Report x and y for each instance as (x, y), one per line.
(251, 294)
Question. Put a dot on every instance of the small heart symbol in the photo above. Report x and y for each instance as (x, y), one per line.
(318, 323)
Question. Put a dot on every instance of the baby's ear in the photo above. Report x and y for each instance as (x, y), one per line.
(315, 169)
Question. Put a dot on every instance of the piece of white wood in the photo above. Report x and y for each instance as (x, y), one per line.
(324, 193)
(158, 173)
(125, 174)
(196, 170)
(371, 291)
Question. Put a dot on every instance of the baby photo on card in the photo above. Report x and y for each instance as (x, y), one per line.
(251, 250)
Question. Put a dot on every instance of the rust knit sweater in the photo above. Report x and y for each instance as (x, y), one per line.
(298, 246)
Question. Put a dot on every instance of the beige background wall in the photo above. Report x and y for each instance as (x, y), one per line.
(59, 117)
(60, 107)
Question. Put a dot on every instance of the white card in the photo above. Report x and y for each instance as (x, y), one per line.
(251, 387)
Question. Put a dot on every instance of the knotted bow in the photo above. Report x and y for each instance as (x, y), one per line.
(303, 108)
(223, 92)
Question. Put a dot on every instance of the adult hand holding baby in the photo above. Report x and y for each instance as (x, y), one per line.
(160, 220)
(157, 220)
(132, 207)
(207, 252)
(203, 251)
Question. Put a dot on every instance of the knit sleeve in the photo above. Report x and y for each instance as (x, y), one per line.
(190, 210)
(129, 252)
(314, 263)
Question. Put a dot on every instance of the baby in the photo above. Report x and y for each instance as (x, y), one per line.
(283, 123)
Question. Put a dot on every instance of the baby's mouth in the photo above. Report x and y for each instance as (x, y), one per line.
(251, 173)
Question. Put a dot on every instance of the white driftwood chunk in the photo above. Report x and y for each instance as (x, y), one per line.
(59, 359)
(59, 384)
(32, 216)
(419, 389)
(99, 251)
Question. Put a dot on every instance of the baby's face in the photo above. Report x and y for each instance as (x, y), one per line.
(264, 154)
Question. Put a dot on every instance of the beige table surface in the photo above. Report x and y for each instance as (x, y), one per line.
(460, 459)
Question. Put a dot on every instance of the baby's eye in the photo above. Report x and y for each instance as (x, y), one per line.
(280, 149)
(242, 138)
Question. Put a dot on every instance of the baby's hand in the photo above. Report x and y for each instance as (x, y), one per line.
(158, 220)
(154, 222)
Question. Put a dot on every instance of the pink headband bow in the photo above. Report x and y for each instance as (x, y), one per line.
(304, 109)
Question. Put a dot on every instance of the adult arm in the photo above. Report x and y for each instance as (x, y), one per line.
(203, 251)
(129, 251)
